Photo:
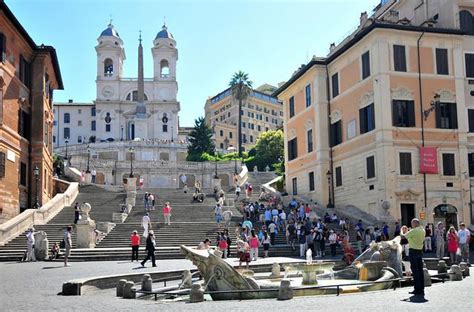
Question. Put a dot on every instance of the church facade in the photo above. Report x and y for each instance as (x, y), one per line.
(125, 108)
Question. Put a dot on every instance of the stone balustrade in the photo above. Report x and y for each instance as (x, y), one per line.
(30, 217)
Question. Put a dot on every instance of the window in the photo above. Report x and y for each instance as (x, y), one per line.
(24, 124)
(67, 118)
(470, 160)
(243, 124)
(93, 112)
(465, 21)
(448, 165)
(230, 135)
(25, 71)
(244, 138)
(370, 165)
(67, 133)
(403, 113)
(259, 128)
(335, 85)
(365, 65)
(367, 119)
(470, 117)
(221, 132)
(23, 174)
(292, 149)
(165, 128)
(336, 133)
(79, 111)
(242, 112)
(3, 48)
(446, 116)
(108, 68)
(309, 139)
(338, 176)
(54, 139)
(79, 139)
(311, 181)
(399, 58)
(294, 183)
(79, 122)
(93, 125)
(221, 145)
(251, 138)
(164, 69)
(292, 107)
(308, 95)
(469, 58)
(133, 96)
(442, 62)
(405, 164)
(107, 128)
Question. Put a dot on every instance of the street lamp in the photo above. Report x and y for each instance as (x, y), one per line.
(329, 175)
(215, 169)
(36, 174)
(132, 151)
(172, 139)
(88, 159)
(232, 149)
(66, 141)
(433, 105)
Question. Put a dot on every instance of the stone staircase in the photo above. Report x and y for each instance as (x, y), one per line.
(104, 203)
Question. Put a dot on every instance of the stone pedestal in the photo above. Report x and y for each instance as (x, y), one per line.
(131, 185)
(41, 246)
(147, 282)
(455, 273)
(129, 291)
(120, 286)
(464, 269)
(442, 267)
(276, 271)
(196, 294)
(216, 182)
(285, 292)
(85, 227)
(427, 278)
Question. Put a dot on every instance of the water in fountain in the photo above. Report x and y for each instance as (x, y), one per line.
(309, 256)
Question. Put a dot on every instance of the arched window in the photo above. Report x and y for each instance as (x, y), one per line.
(133, 96)
(108, 68)
(67, 118)
(3, 48)
(164, 69)
(465, 20)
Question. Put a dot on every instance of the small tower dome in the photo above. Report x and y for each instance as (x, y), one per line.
(110, 31)
(164, 33)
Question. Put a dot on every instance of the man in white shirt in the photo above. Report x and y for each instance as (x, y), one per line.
(93, 174)
(464, 236)
(146, 224)
(30, 236)
(272, 230)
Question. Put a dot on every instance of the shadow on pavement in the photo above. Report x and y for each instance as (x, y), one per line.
(55, 267)
(416, 299)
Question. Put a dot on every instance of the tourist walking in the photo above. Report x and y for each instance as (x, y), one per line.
(332, 242)
(77, 213)
(464, 236)
(93, 175)
(385, 235)
(272, 228)
(167, 213)
(67, 245)
(30, 244)
(254, 244)
(145, 200)
(244, 252)
(218, 214)
(150, 249)
(151, 201)
(427, 243)
(440, 237)
(135, 243)
(266, 244)
(302, 241)
(452, 245)
(223, 245)
(416, 237)
(146, 224)
(237, 191)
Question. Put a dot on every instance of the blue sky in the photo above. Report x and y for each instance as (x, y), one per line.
(269, 39)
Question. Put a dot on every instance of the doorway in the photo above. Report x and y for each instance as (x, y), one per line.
(447, 214)
(407, 213)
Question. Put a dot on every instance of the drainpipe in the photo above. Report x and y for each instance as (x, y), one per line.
(420, 89)
(331, 163)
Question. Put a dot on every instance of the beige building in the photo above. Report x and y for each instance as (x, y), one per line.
(385, 122)
(260, 112)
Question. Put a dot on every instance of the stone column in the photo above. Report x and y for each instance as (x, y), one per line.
(41, 246)
(85, 228)
(285, 292)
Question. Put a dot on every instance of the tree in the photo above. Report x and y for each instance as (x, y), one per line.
(241, 87)
(267, 151)
(201, 141)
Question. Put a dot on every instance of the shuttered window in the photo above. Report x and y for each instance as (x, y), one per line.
(399, 58)
(470, 160)
(309, 135)
(405, 164)
(367, 119)
(469, 60)
(370, 165)
(335, 85)
(2, 165)
(292, 106)
(403, 113)
(339, 176)
(449, 165)
(311, 181)
(442, 62)
(292, 149)
(336, 133)
(446, 116)
(470, 116)
(365, 65)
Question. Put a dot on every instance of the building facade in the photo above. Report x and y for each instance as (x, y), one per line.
(28, 76)
(113, 116)
(260, 112)
(384, 124)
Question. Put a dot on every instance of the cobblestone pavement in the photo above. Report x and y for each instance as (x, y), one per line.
(34, 287)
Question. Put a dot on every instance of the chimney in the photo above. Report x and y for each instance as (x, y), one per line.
(363, 18)
(70, 101)
(332, 46)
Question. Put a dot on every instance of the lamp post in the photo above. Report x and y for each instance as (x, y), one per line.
(88, 159)
(231, 149)
(433, 104)
(132, 151)
(172, 138)
(36, 174)
(329, 175)
(67, 142)
(215, 169)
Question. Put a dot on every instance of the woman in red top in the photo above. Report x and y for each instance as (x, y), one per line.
(254, 244)
(135, 243)
(452, 244)
(167, 213)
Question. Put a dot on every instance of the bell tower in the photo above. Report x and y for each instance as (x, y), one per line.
(165, 56)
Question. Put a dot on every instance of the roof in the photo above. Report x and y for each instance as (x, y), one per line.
(359, 36)
(255, 93)
(54, 58)
(164, 33)
(110, 32)
(73, 104)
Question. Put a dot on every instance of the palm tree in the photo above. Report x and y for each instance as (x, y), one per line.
(241, 87)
